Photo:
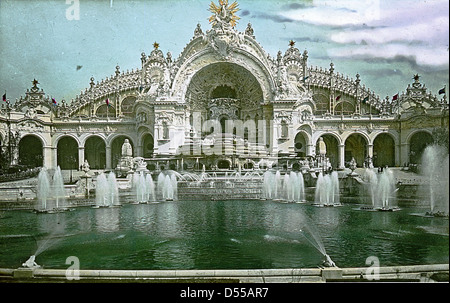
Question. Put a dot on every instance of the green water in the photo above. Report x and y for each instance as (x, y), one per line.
(221, 235)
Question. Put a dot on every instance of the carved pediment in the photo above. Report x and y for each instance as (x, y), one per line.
(30, 125)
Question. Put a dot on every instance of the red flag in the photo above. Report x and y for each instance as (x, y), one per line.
(4, 97)
(338, 97)
(395, 97)
(54, 101)
(107, 102)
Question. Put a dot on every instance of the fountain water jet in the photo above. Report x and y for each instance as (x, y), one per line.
(43, 190)
(167, 187)
(106, 191)
(51, 196)
(327, 190)
(290, 187)
(381, 190)
(435, 166)
(59, 192)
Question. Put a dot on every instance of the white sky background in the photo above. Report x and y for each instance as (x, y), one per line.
(386, 42)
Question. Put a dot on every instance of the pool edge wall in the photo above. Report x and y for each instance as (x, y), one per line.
(410, 273)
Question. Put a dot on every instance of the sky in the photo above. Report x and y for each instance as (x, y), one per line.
(63, 43)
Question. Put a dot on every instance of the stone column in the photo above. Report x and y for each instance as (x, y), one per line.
(404, 153)
(80, 156)
(310, 150)
(397, 155)
(54, 157)
(47, 154)
(108, 157)
(341, 156)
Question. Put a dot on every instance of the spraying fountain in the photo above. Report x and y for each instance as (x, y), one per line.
(51, 196)
(143, 188)
(327, 190)
(435, 167)
(381, 190)
(43, 190)
(31, 263)
(290, 187)
(106, 191)
(167, 187)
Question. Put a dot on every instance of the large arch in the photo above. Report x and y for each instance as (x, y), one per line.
(301, 144)
(383, 150)
(95, 152)
(417, 144)
(148, 144)
(198, 55)
(356, 147)
(67, 153)
(31, 151)
(332, 144)
(225, 89)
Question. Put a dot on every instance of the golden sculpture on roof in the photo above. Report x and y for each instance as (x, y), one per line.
(224, 14)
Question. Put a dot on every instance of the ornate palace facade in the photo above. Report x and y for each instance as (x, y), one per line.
(171, 109)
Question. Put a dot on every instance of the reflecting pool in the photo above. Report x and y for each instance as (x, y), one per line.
(247, 234)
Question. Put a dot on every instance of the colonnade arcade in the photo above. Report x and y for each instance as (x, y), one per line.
(104, 152)
(70, 152)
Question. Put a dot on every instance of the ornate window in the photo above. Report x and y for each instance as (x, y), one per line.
(284, 129)
(322, 104)
(165, 131)
(105, 111)
(127, 106)
(344, 108)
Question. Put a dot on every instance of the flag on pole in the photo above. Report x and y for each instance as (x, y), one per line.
(338, 97)
(54, 101)
(395, 97)
(107, 102)
(4, 97)
(442, 91)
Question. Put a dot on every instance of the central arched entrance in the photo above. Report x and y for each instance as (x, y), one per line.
(229, 94)
(225, 89)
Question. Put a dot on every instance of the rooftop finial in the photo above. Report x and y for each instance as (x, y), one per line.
(35, 83)
(224, 14)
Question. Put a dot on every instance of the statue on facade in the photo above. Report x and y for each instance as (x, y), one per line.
(198, 31)
(127, 149)
(140, 164)
(85, 167)
(249, 30)
(126, 164)
(224, 15)
(322, 147)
